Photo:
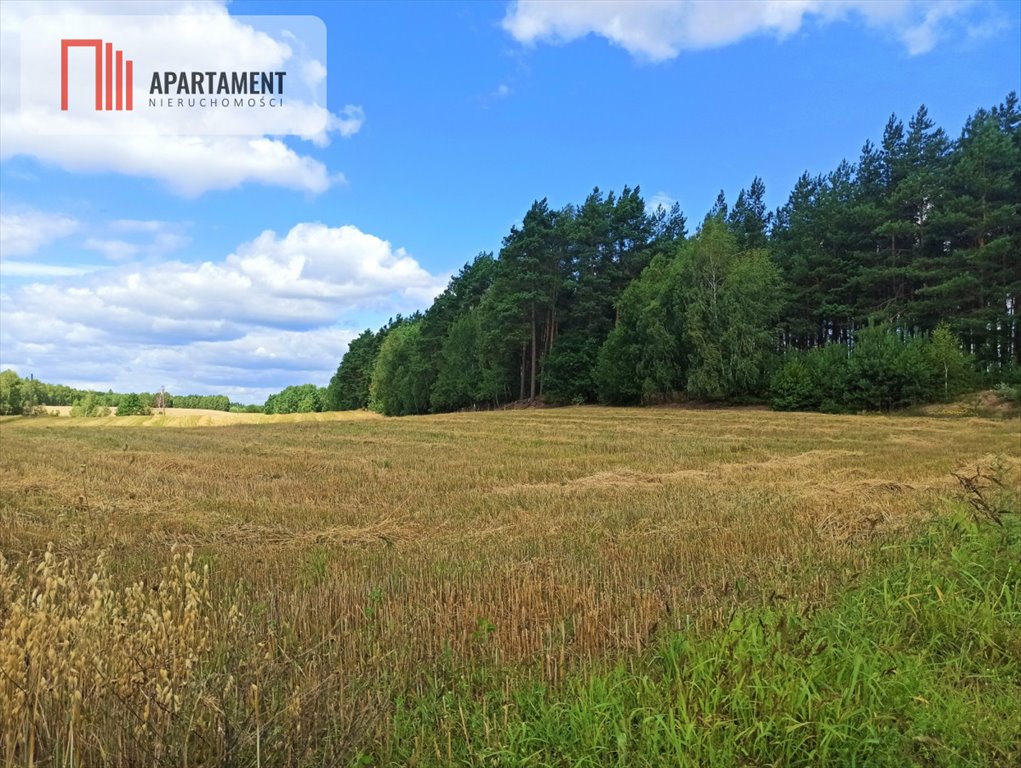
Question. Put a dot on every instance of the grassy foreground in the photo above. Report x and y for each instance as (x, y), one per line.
(574, 587)
(919, 666)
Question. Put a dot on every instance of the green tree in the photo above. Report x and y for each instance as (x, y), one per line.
(976, 285)
(299, 398)
(954, 373)
(348, 390)
(525, 295)
(10, 393)
(720, 210)
(732, 304)
(608, 242)
(399, 385)
(752, 301)
(643, 358)
(459, 378)
(448, 335)
(132, 404)
(748, 219)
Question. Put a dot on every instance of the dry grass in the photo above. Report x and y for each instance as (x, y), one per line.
(354, 559)
(195, 417)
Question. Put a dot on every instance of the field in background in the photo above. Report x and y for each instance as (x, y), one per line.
(358, 565)
(198, 417)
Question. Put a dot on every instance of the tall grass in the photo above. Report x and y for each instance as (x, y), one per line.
(921, 665)
(81, 661)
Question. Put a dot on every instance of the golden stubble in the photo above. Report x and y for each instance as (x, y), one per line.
(175, 594)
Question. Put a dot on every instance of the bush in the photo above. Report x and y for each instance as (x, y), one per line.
(880, 368)
(89, 406)
(881, 371)
(794, 387)
(1009, 385)
(242, 408)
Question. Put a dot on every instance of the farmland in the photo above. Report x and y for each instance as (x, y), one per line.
(333, 588)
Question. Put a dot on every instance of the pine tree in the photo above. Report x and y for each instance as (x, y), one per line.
(748, 219)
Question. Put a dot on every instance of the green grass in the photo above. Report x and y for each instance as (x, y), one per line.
(918, 666)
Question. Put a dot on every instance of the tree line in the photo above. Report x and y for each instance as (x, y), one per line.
(889, 281)
(885, 282)
(20, 395)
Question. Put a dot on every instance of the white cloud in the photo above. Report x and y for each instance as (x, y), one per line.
(657, 30)
(151, 238)
(263, 317)
(349, 121)
(166, 242)
(137, 225)
(922, 36)
(127, 239)
(660, 200)
(313, 72)
(25, 231)
(38, 269)
(189, 165)
(115, 250)
(307, 278)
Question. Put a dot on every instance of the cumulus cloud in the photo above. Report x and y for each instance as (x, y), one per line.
(190, 166)
(657, 30)
(190, 154)
(263, 317)
(24, 231)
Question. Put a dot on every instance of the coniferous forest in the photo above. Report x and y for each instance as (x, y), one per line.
(888, 281)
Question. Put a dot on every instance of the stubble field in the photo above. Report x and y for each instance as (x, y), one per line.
(297, 592)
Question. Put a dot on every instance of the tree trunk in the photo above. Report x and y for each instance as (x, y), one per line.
(532, 387)
(549, 330)
(521, 392)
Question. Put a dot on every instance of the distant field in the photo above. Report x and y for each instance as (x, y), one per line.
(355, 562)
(198, 417)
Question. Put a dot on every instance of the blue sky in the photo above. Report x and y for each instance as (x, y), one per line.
(455, 117)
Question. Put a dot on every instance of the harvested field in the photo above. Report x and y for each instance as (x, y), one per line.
(192, 417)
(355, 561)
